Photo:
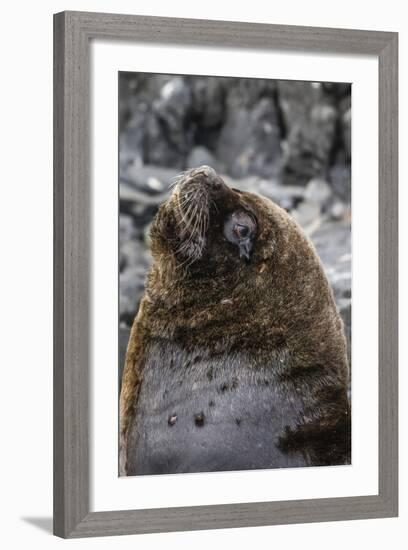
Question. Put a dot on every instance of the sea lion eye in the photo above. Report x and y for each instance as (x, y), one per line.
(241, 231)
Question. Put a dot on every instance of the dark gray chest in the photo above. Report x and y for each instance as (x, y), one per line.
(196, 414)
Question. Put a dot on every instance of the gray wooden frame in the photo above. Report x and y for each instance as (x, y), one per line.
(72, 34)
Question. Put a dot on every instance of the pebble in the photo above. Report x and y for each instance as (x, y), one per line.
(199, 419)
(172, 419)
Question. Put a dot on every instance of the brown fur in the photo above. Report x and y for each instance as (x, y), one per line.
(279, 301)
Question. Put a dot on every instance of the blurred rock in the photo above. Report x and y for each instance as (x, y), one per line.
(340, 178)
(338, 90)
(307, 214)
(169, 137)
(318, 191)
(149, 179)
(201, 155)
(310, 127)
(346, 133)
(249, 141)
(208, 104)
(127, 229)
(131, 141)
(127, 234)
(240, 126)
(245, 93)
(333, 244)
(338, 210)
(296, 100)
(143, 190)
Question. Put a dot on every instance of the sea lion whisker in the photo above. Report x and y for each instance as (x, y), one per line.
(189, 260)
(184, 218)
(185, 214)
(194, 228)
(183, 247)
(184, 202)
(185, 244)
(189, 198)
(191, 218)
(176, 179)
(206, 222)
(203, 227)
(197, 251)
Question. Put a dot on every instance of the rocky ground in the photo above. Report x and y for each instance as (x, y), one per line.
(289, 141)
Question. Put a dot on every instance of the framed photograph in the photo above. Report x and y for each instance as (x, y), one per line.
(225, 287)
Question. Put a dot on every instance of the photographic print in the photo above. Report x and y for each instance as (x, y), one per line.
(234, 274)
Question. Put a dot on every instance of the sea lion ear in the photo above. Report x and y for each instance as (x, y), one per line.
(245, 249)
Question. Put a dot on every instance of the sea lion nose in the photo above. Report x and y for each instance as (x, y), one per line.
(207, 171)
(213, 180)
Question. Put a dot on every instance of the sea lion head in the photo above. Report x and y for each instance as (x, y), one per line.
(207, 227)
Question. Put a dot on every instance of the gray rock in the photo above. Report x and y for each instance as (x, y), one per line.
(250, 126)
(168, 134)
(346, 130)
(296, 98)
(337, 90)
(143, 190)
(310, 123)
(199, 156)
(208, 102)
(307, 214)
(158, 150)
(339, 211)
(245, 93)
(249, 140)
(132, 138)
(172, 109)
(233, 141)
(128, 233)
(149, 179)
(133, 252)
(333, 243)
(318, 191)
(127, 229)
(340, 180)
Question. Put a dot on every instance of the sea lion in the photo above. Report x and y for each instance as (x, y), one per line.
(237, 357)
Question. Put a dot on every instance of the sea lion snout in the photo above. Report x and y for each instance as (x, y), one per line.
(203, 178)
(207, 171)
(212, 180)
